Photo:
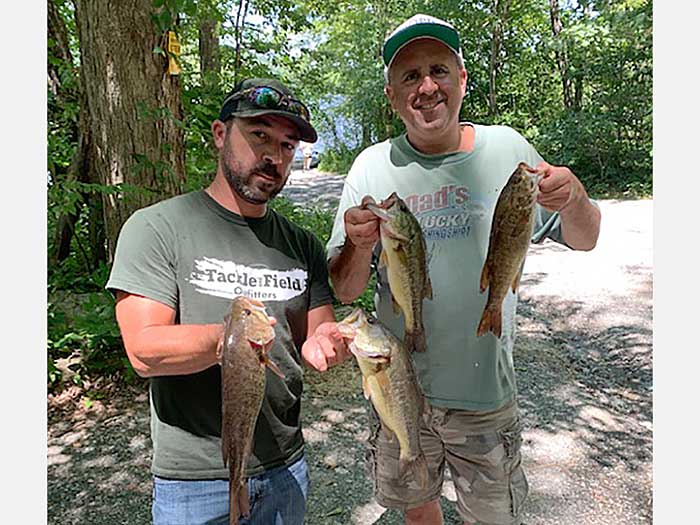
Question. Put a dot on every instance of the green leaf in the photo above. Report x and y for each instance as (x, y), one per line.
(157, 50)
(334, 512)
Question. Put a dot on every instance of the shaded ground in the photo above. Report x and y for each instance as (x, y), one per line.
(583, 357)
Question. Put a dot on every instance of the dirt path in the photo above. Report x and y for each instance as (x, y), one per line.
(583, 358)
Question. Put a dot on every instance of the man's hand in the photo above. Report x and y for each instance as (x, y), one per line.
(325, 348)
(559, 187)
(361, 225)
(560, 190)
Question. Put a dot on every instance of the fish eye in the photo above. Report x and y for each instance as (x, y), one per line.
(371, 320)
(247, 311)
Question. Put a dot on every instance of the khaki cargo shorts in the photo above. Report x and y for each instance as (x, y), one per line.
(482, 451)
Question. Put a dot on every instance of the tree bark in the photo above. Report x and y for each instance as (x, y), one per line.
(134, 108)
(561, 56)
(58, 47)
(209, 51)
(238, 35)
(79, 169)
(500, 15)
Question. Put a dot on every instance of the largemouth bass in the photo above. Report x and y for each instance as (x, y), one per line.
(511, 230)
(248, 337)
(389, 382)
(404, 255)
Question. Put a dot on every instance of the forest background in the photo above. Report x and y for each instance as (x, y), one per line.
(129, 113)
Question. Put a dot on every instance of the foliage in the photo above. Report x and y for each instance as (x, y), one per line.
(329, 53)
(83, 336)
(320, 223)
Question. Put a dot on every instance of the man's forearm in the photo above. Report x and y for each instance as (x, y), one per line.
(174, 349)
(580, 224)
(349, 271)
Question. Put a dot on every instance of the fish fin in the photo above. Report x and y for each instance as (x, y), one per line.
(395, 306)
(220, 348)
(383, 383)
(365, 388)
(383, 260)
(428, 289)
(418, 467)
(243, 501)
(484, 281)
(400, 237)
(516, 281)
(491, 320)
(390, 436)
(273, 367)
(224, 447)
(234, 510)
(414, 341)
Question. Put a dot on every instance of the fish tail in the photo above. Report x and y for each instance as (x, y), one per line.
(233, 508)
(491, 320)
(414, 341)
(239, 504)
(418, 467)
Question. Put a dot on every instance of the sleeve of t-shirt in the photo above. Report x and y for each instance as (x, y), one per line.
(547, 223)
(320, 292)
(144, 263)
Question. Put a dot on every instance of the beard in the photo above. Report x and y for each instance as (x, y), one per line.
(247, 184)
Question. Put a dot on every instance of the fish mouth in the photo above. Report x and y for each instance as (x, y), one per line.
(385, 225)
(367, 354)
(380, 212)
(259, 345)
(348, 326)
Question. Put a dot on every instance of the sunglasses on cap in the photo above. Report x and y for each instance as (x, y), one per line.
(269, 98)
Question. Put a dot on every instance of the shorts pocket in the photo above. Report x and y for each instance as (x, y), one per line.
(511, 437)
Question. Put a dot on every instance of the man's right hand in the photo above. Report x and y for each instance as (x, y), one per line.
(361, 225)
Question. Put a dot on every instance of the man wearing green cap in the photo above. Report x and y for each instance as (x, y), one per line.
(178, 265)
(450, 174)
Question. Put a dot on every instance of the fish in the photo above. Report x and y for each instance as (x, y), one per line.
(244, 351)
(389, 382)
(404, 255)
(511, 230)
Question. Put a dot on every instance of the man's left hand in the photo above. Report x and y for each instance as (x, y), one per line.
(559, 187)
(325, 348)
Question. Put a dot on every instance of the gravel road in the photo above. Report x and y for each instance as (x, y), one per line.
(584, 363)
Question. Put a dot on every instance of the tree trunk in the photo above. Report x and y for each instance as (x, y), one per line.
(79, 168)
(500, 15)
(238, 35)
(209, 52)
(58, 48)
(134, 107)
(561, 55)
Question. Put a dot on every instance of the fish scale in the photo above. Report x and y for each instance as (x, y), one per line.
(247, 338)
(404, 255)
(390, 383)
(511, 231)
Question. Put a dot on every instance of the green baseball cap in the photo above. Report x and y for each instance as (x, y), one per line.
(420, 26)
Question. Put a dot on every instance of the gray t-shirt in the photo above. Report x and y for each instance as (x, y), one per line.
(194, 255)
(453, 196)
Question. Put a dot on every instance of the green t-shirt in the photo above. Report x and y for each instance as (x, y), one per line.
(194, 255)
(453, 196)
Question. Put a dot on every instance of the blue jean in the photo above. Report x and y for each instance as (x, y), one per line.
(277, 497)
